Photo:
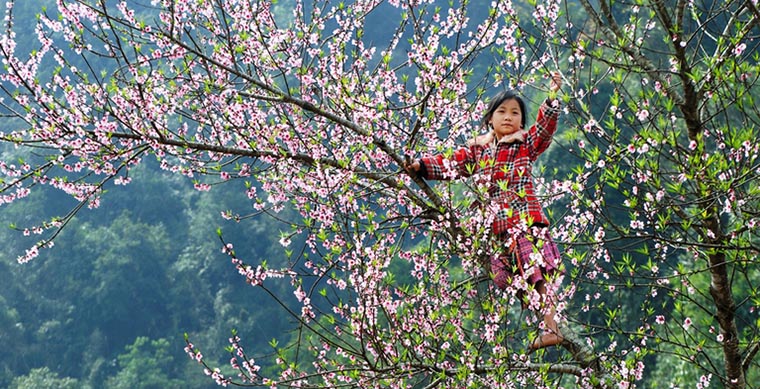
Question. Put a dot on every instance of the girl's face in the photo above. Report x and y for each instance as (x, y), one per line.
(506, 119)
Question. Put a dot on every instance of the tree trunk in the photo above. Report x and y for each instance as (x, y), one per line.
(720, 290)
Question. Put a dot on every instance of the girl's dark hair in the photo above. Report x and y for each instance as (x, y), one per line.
(500, 98)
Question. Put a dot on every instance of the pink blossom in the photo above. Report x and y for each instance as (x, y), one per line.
(739, 49)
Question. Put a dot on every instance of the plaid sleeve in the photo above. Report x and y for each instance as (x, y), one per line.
(462, 163)
(541, 133)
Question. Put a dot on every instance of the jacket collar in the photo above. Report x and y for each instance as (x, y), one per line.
(515, 137)
(489, 139)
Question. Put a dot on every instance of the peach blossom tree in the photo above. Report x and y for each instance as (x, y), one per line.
(311, 108)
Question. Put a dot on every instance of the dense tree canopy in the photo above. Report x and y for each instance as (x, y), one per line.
(309, 110)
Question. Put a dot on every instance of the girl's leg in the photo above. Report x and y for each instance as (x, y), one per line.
(551, 335)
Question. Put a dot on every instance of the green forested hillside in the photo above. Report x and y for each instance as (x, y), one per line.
(123, 284)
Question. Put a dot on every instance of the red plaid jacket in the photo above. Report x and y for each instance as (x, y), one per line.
(507, 165)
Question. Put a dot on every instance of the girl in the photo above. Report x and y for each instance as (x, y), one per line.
(505, 156)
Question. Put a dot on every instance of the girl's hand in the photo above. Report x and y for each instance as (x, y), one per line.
(556, 82)
(413, 167)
